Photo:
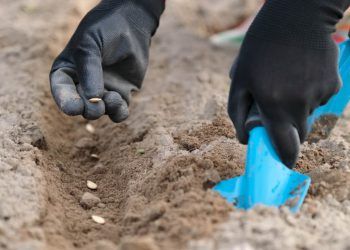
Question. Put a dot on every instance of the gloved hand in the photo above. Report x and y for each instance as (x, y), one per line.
(288, 66)
(106, 59)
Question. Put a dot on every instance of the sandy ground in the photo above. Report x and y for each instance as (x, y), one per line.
(154, 171)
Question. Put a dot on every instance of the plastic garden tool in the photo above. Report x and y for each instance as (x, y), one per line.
(267, 181)
(234, 37)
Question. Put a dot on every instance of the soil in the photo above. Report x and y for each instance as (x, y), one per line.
(155, 171)
(322, 128)
(206, 18)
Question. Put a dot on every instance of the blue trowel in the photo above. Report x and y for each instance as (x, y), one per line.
(267, 181)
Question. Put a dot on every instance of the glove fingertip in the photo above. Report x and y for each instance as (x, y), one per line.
(286, 141)
(73, 107)
(94, 111)
(113, 101)
(242, 136)
(116, 107)
(121, 115)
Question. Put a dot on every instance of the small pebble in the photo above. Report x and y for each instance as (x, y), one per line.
(90, 128)
(98, 169)
(203, 77)
(89, 200)
(98, 219)
(101, 245)
(101, 205)
(139, 243)
(91, 185)
(85, 143)
(211, 178)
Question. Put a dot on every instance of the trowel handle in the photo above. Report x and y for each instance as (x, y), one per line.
(259, 143)
(261, 153)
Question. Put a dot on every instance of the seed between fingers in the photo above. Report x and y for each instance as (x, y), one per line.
(95, 100)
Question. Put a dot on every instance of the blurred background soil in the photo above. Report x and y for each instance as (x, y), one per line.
(155, 171)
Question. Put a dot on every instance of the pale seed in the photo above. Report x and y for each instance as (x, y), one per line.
(141, 151)
(91, 185)
(95, 100)
(98, 219)
(95, 156)
(90, 128)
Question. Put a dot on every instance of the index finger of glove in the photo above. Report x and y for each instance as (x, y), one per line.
(239, 104)
(65, 93)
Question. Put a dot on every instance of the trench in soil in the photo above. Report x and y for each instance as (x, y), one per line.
(154, 171)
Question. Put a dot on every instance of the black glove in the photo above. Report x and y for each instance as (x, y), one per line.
(288, 66)
(106, 59)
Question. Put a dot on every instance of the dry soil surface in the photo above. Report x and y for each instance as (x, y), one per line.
(155, 171)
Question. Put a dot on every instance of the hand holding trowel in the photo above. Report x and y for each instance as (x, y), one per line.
(267, 180)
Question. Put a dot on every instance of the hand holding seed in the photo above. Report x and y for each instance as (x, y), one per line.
(75, 99)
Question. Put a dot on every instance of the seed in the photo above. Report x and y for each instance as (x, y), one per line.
(141, 151)
(90, 128)
(95, 156)
(91, 185)
(95, 100)
(98, 219)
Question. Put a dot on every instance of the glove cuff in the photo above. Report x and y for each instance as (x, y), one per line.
(302, 23)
